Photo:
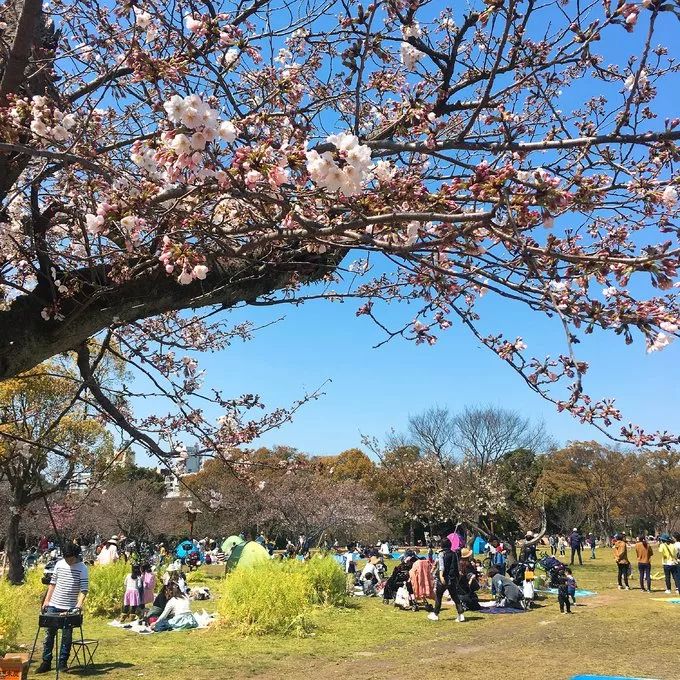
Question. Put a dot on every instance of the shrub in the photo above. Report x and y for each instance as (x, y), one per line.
(33, 589)
(328, 581)
(107, 587)
(9, 616)
(271, 597)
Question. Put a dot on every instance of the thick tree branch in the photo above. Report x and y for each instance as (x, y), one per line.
(26, 338)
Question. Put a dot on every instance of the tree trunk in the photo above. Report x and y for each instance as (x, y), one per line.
(16, 568)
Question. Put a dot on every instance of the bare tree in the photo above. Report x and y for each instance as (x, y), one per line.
(484, 434)
(433, 432)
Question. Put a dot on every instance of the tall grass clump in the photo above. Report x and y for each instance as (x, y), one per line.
(328, 581)
(107, 587)
(9, 616)
(33, 590)
(267, 598)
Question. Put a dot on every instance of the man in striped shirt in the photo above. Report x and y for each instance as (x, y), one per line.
(68, 588)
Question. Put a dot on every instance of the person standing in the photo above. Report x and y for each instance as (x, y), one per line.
(562, 545)
(67, 591)
(592, 544)
(447, 576)
(644, 559)
(676, 538)
(621, 559)
(148, 584)
(552, 541)
(669, 559)
(575, 543)
(109, 553)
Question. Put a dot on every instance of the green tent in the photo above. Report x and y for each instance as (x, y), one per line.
(246, 555)
(230, 542)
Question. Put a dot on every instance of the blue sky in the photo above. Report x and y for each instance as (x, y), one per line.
(373, 390)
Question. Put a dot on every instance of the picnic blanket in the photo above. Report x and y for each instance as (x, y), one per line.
(605, 677)
(492, 608)
(579, 592)
(203, 619)
(670, 600)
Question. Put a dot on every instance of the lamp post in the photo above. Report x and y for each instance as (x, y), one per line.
(192, 514)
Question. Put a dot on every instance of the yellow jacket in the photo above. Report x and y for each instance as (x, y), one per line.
(668, 554)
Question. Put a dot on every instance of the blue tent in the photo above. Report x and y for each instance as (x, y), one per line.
(478, 545)
(185, 548)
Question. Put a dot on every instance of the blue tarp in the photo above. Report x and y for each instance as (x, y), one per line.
(478, 545)
(606, 677)
(579, 592)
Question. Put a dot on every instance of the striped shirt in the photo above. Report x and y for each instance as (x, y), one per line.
(68, 582)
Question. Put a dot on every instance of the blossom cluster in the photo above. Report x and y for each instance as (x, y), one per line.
(346, 169)
(46, 120)
(175, 257)
(409, 54)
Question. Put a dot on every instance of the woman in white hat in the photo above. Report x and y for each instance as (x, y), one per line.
(109, 553)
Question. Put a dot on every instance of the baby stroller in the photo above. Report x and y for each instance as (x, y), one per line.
(553, 568)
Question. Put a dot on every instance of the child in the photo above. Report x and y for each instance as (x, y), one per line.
(563, 594)
(571, 584)
(148, 584)
(132, 600)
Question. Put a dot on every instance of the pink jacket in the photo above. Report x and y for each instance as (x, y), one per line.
(421, 579)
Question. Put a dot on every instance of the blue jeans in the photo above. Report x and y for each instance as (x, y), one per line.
(66, 637)
(645, 576)
(670, 570)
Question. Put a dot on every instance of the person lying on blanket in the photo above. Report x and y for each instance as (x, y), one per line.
(177, 613)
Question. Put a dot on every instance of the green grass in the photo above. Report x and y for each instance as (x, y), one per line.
(610, 633)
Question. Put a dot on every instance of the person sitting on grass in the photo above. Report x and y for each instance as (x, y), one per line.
(156, 609)
(369, 577)
(508, 593)
(177, 613)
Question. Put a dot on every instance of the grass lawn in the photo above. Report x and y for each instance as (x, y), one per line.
(619, 633)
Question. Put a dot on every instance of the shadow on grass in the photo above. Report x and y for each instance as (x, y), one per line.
(100, 668)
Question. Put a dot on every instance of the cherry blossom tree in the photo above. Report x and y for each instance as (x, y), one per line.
(158, 158)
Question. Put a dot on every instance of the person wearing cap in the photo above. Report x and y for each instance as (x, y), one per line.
(669, 560)
(621, 559)
(447, 576)
(575, 543)
(529, 548)
(67, 591)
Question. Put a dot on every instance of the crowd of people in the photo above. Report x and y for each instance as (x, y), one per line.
(156, 591)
